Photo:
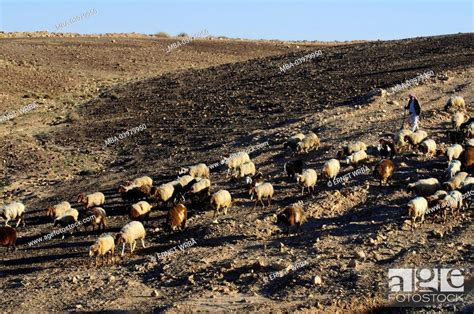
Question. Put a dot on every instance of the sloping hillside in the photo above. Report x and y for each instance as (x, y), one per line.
(204, 115)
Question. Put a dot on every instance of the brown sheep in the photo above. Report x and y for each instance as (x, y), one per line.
(384, 171)
(8, 237)
(467, 158)
(177, 217)
(100, 218)
(291, 216)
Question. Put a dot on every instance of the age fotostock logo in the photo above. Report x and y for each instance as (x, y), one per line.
(422, 286)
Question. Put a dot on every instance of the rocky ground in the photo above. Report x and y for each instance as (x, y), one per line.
(199, 104)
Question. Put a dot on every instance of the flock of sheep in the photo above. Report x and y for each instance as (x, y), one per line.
(193, 186)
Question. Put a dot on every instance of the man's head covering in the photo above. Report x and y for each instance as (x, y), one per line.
(412, 96)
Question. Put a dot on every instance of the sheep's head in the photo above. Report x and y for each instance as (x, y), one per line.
(410, 187)
(183, 170)
(122, 189)
(248, 181)
(299, 147)
(282, 218)
(119, 239)
(448, 186)
(252, 192)
(298, 177)
(81, 198)
(94, 250)
(50, 211)
(340, 154)
(348, 160)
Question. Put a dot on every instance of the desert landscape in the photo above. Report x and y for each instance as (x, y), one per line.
(114, 107)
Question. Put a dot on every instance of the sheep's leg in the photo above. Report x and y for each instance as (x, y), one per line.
(261, 201)
(132, 246)
(225, 210)
(269, 201)
(123, 250)
(143, 243)
(6, 222)
(302, 190)
(18, 222)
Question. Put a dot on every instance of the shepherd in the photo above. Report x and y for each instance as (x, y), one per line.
(414, 110)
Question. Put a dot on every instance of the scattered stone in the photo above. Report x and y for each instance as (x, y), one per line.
(317, 281)
(360, 255)
(438, 234)
(353, 263)
(155, 293)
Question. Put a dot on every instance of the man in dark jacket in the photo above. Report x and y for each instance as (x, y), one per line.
(414, 109)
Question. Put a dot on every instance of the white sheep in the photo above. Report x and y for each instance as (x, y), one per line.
(91, 200)
(331, 169)
(221, 199)
(470, 142)
(356, 158)
(456, 102)
(236, 160)
(104, 245)
(72, 212)
(416, 138)
(262, 191)
(184, 180)
(164, 192)
(13, 211)
(200, 185)
(351, 148)
(417, 209)
(452, 202)
(307, 179)
(454, 167)
(58, 210)
(457, 119)
(130, 233)
(424, 187)
(140, 210)
(469, 181)
(428, 147)
(308, 143)
(142, 181)
(453, 152)
(400, 136)
(245, 169)
(455, 182)
(197, 171)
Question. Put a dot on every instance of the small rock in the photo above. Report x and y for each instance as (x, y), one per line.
(191, 280)
(111, 278)
(317, 281)
(360, 255)
(438, 234)
(353, 263)
(155, 293)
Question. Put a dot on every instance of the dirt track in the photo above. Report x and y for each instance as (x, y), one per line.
(205, 114)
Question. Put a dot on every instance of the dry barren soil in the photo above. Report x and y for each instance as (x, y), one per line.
(201, 103)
